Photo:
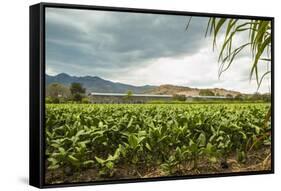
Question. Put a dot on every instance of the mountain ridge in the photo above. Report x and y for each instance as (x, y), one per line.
(95, 84)
(98, 84)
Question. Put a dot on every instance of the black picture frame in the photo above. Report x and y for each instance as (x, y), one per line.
(37, 92)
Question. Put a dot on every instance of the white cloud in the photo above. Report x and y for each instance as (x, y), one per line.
(199, 70)
(142, 49)
(51, 71)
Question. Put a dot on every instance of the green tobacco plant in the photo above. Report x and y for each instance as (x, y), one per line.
(170, 165)
(107, 165)
(172, 137)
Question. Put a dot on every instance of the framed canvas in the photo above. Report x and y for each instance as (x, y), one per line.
(122, 95)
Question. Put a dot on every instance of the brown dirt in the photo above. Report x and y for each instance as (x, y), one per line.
(256, 161)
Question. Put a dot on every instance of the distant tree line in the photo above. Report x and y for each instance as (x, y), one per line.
(238, 97)
(249, 97)
(254, 97)
(206, 93)
(179, 97)
(76, 93)
(59, 93)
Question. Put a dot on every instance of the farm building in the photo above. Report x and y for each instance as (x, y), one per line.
(140, 98)
(191, 98)
(124, 98)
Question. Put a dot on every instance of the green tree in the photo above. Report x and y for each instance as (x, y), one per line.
(129, 95)
(77, 91)
(238, 97)
(77, 97)
(179, 97)
(206, 92)
(261, 97)
(229, 96)
(77, 88)
(266, 97)
(56, 90)
(85, 100)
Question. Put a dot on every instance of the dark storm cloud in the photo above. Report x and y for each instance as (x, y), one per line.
(102, 43)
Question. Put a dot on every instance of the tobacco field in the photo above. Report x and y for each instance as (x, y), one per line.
(93, 142)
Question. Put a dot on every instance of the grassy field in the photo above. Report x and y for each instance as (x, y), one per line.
(94, 142)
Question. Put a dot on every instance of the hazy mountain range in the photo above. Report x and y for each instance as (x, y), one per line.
(97, 84)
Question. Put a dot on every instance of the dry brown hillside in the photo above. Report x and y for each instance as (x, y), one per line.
(187, 91)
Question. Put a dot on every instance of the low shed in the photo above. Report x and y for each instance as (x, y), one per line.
(124, 98)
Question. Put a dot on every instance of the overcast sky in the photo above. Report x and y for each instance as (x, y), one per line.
(140, 49)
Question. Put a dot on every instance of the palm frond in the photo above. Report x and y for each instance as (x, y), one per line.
(259, 42)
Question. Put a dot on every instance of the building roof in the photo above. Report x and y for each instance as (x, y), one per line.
(207, 96)
(133, 95)
(152, 95)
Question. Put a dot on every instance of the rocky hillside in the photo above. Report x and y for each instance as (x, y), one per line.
(187, 91)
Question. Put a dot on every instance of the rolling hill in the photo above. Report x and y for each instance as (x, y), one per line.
(188, 91)
(97, 84)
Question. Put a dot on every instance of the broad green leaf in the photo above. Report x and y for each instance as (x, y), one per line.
(148, 146)
(202, 140)
(109, 165)
(88, 162)
(100, 160)
(133, 141)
